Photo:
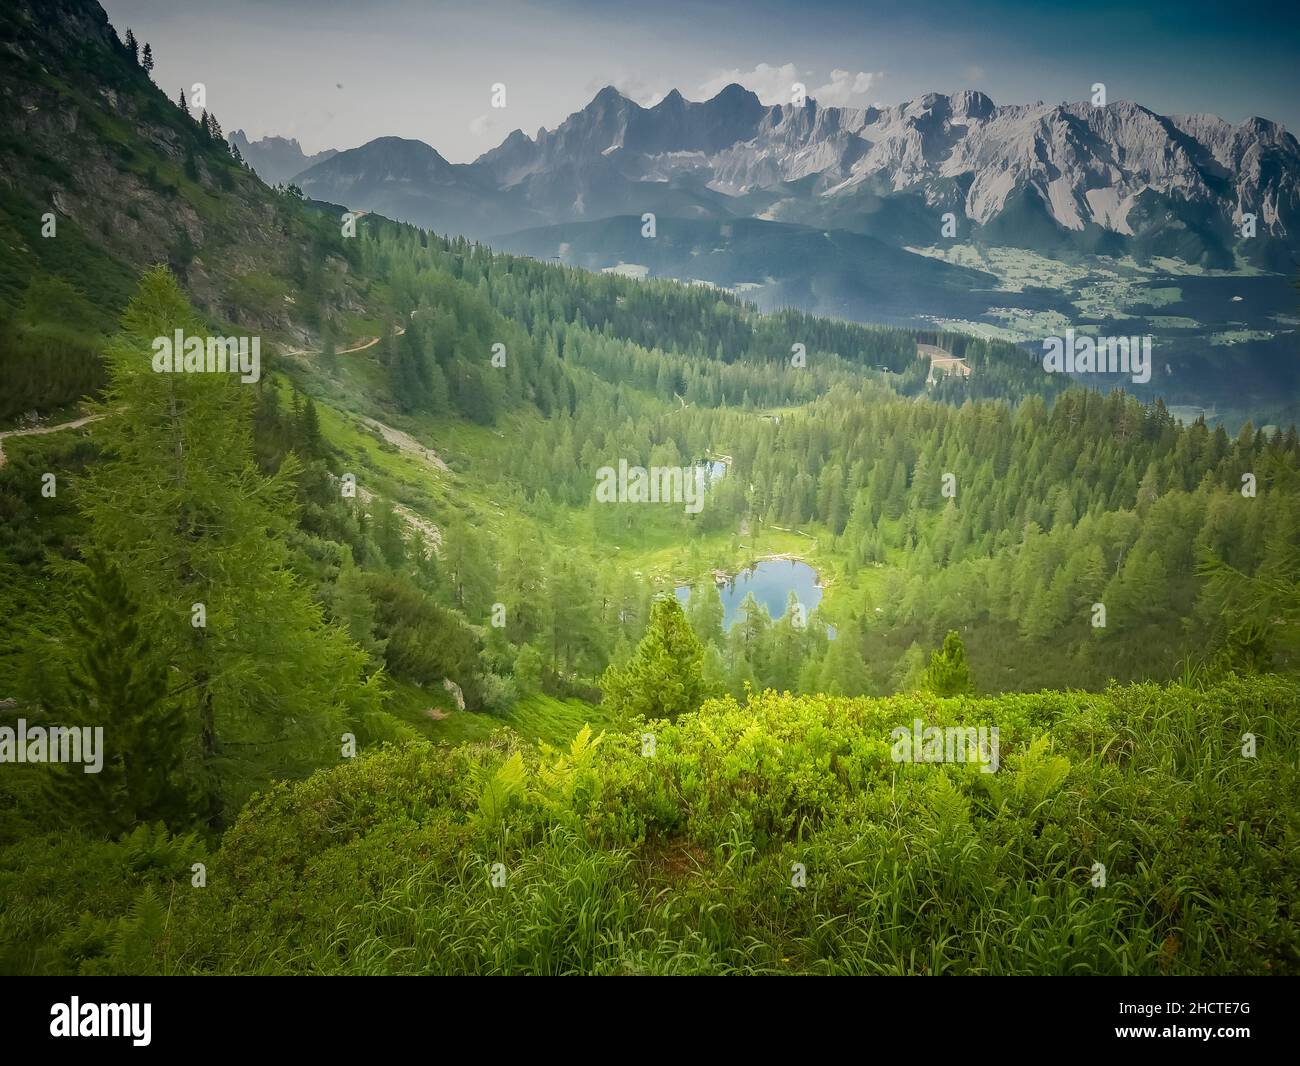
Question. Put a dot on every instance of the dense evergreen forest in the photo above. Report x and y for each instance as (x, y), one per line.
(366, 621)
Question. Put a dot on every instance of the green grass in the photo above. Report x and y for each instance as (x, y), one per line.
(535, 718)
(544, 718)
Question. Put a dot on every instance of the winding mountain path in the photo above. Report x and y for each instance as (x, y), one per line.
(36, 431)
(404, 442)
(345, 351)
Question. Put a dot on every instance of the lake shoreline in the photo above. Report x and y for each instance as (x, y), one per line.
(768, 582)
(722, 577)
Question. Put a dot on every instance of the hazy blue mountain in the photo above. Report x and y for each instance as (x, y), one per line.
(276, 159)
(408, 180)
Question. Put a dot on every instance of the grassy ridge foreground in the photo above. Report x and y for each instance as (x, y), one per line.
(681, 862)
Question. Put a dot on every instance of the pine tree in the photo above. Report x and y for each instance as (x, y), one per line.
(389, 533)
(909, 671)
(750, 636)
(947, 674)
(787, 646)
(664, 678)
(132, 47)
(528, 670)
(182, 103)
(843, 671)
(309, 431)
(439, 395)
(572, 613)
(705, 612)
(350, 606)
(146, 60)
(468, 568)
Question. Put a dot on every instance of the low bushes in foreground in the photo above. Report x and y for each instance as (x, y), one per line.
(777, 836)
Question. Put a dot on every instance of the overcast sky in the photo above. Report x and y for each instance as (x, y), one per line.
(337, 73)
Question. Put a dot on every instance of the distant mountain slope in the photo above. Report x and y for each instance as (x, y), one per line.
(409, 181)
(836, 273)
(277, 159)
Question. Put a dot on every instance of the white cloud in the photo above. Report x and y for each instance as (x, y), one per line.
(481, 126)
(846, 88)
(775, 84)
(647, 94)
(772, 84)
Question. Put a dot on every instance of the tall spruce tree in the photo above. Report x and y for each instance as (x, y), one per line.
(705, 611)
(844, 673)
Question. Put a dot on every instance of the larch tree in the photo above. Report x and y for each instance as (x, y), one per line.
(199, 533)
(118, 683)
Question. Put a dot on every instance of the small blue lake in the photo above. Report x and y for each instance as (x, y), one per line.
(770, 581)
(714, 469)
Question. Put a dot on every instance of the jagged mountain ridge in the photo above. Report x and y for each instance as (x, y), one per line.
(1113, 173)
(276, 159)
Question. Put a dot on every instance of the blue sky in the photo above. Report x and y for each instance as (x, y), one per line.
(336, 74)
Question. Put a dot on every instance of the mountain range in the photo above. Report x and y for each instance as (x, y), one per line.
(1055, 178)
(1112, 220)
(1015, 221)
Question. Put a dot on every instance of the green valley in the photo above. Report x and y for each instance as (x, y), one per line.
(378, 664)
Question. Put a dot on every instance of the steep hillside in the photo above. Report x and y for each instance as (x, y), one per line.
(102, 175)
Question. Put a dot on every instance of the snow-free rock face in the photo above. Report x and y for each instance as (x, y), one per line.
(611, 124)
(1088, 165)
